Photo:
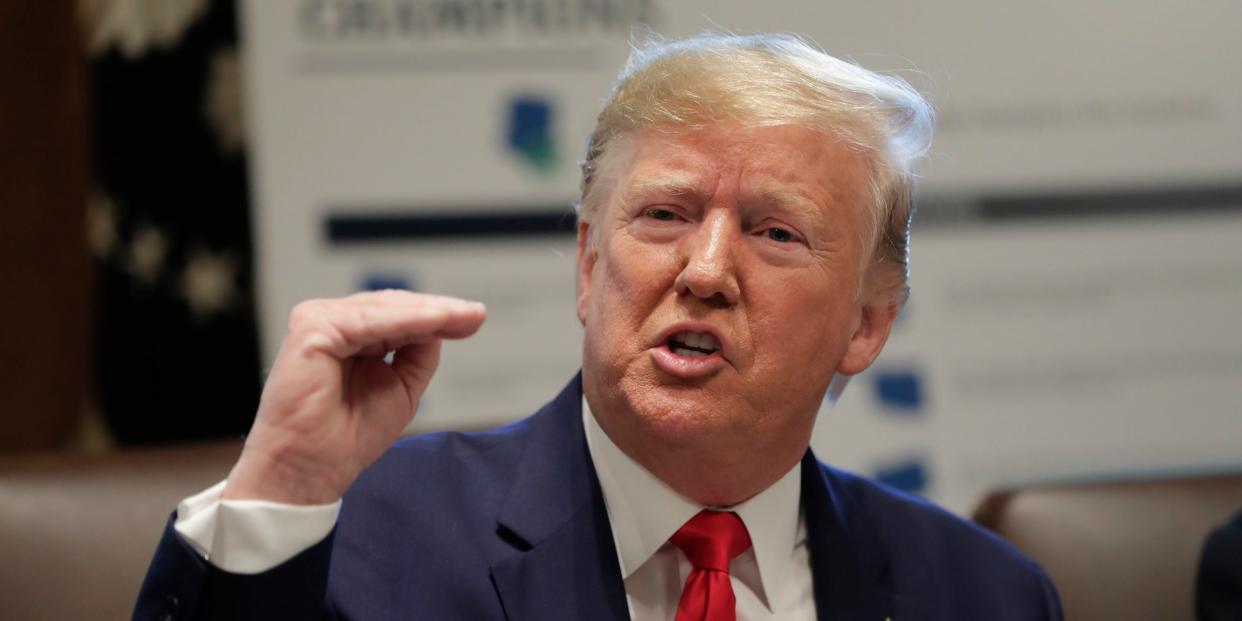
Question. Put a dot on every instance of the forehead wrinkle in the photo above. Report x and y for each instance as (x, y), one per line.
(666, 184)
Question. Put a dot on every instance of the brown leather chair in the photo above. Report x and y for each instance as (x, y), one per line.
(1118, 550)
(77, 532)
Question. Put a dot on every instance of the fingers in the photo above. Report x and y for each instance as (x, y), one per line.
(464, 316)
(376, 322)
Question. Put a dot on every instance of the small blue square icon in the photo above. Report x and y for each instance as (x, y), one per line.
(899, 389)
(909, 475)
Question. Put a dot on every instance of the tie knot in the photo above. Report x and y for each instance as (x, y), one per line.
(711, 539)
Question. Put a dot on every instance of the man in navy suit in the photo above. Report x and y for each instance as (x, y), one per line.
(1218, 586)
(742, 246)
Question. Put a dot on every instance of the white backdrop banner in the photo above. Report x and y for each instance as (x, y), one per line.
(433, 145)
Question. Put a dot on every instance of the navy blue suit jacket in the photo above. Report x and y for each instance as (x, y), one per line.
(511, 524)
(1218, 587)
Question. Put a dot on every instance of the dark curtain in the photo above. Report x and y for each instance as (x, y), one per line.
(169, 224)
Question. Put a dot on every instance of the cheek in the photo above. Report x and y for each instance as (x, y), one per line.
(800, 329)
(634, 272)
(620, 296)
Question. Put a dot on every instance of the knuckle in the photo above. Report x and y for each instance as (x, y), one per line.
(298, 314)
(314, 343)
(366, 318)
(305, 317)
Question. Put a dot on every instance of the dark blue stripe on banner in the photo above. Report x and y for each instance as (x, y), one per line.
(348, 226)
(361, 227)
(1170, 201)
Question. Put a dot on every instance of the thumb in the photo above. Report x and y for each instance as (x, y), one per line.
(415, 364)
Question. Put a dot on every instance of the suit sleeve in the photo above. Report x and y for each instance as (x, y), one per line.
(181, 585)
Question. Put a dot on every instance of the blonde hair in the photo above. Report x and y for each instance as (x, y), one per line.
(777, 79)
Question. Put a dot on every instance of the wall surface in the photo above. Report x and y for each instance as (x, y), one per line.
(1074, 274)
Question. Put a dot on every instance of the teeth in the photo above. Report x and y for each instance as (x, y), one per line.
(708, 342)
(689, 353)
(698, 340)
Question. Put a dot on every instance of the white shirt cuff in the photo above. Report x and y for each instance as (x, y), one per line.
(250, 536)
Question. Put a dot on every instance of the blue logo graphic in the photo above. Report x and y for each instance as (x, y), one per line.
(530, 134)
(900, 390)
(909, 475)
(380, 281)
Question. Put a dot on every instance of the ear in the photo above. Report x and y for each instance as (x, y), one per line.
(874, 325)
(586, 265)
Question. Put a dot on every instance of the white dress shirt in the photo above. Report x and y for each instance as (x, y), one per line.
(771, 580)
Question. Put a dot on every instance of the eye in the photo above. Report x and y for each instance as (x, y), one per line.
(778, 234)
(664, 215)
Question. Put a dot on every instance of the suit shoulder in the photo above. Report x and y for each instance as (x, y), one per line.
(446, 458)
(442, 491)
(931, 550)
(903, 516)
(433, 497)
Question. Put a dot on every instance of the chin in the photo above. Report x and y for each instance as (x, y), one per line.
(678, 414)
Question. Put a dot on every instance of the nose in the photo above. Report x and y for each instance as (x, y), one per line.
(710, 273)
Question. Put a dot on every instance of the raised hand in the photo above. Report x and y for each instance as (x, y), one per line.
(331, 405)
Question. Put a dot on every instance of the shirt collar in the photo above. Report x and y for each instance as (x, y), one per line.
(772, 517)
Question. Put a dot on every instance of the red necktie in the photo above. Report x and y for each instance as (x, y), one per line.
(710, 540)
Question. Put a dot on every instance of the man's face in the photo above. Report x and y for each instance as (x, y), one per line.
(719, 288)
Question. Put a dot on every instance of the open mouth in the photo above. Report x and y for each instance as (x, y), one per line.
(693, 344)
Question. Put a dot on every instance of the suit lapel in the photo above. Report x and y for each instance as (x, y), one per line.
(565, 565)
(848, 563)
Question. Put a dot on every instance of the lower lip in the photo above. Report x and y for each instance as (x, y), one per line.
(685, 366)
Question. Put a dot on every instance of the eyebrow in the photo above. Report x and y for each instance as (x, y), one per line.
(670, 185)
(690, 186)
(783, 199)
